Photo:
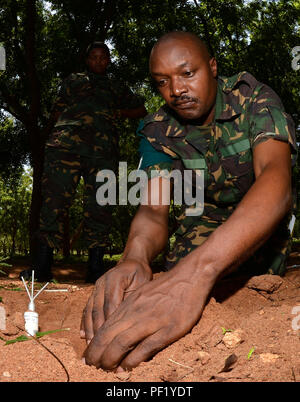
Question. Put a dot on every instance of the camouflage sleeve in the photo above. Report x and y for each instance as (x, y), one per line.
(153, 162)
(127, 99)
(269, 120)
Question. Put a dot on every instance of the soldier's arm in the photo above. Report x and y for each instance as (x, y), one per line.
(163, 310)
(148, 235)
(63, 98)
(135, 113)
(256, 216)
(129, 105)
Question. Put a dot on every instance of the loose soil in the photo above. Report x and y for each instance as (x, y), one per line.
(249, 332)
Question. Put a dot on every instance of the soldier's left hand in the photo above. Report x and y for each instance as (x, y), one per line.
(151, 318)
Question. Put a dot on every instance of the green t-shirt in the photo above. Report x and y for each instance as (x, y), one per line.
(149, 155)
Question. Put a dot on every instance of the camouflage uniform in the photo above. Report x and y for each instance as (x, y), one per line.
(247, 113)
(83, 142)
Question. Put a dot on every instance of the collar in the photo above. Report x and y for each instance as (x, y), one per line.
(95, 77)
(228, 104)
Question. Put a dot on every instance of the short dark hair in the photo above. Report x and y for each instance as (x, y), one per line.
(97, 44)
(184, 34)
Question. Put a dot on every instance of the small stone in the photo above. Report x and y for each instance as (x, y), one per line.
(204, 357)
(123, 376)
(232, 339)
(170, 376)
(268, 357)
(6, 374)
(265, 283)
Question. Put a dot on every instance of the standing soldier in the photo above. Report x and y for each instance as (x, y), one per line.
(83, 142)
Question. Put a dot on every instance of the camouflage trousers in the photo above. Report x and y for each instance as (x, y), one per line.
(271, 258)
(62, 172)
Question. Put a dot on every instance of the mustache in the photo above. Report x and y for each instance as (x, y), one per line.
(183, 98)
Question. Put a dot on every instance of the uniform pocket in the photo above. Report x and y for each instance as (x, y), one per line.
(237, 163)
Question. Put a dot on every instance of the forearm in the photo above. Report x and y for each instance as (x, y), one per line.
(133, 113)
(251, 224)
(148, 234)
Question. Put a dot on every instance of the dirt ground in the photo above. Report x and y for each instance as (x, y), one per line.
(249, 332)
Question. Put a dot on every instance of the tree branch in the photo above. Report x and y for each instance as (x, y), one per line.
(13, 106)
(34, 83)
(206, 30)
(72, 22)
(20, 59)
(110, 8)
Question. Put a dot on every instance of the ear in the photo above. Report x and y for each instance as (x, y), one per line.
(213, 66)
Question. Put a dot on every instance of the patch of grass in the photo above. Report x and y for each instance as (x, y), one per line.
(224, 330)
(250, 353)
(14, 289)
(23, 338)
(4, 264)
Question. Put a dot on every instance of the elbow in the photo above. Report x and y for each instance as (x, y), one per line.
(141, 112)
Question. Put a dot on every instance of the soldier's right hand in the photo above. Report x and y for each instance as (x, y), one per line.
(109, 291)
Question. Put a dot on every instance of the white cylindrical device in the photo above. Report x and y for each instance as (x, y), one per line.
(31, 322)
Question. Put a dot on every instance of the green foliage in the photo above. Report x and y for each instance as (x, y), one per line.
(14, 147)
(224, 330)
(250, 353)
(23, 338)
(4, 264)
(46, 41)
(14, 214)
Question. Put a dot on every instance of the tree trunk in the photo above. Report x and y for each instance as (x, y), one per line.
(35, 134)
(36, 198)
(66, 241)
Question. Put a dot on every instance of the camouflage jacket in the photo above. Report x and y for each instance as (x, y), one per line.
(88, 105)
(247, 112)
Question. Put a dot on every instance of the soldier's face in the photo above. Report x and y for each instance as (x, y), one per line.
(98, 60)
(186, 78)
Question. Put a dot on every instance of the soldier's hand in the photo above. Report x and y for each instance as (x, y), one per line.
(155, 315)
(109, 291)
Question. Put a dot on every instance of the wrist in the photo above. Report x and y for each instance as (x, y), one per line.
(134, 258)
(198, 267)
(141, 249)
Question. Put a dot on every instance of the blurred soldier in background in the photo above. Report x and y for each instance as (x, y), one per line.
(83, 142)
